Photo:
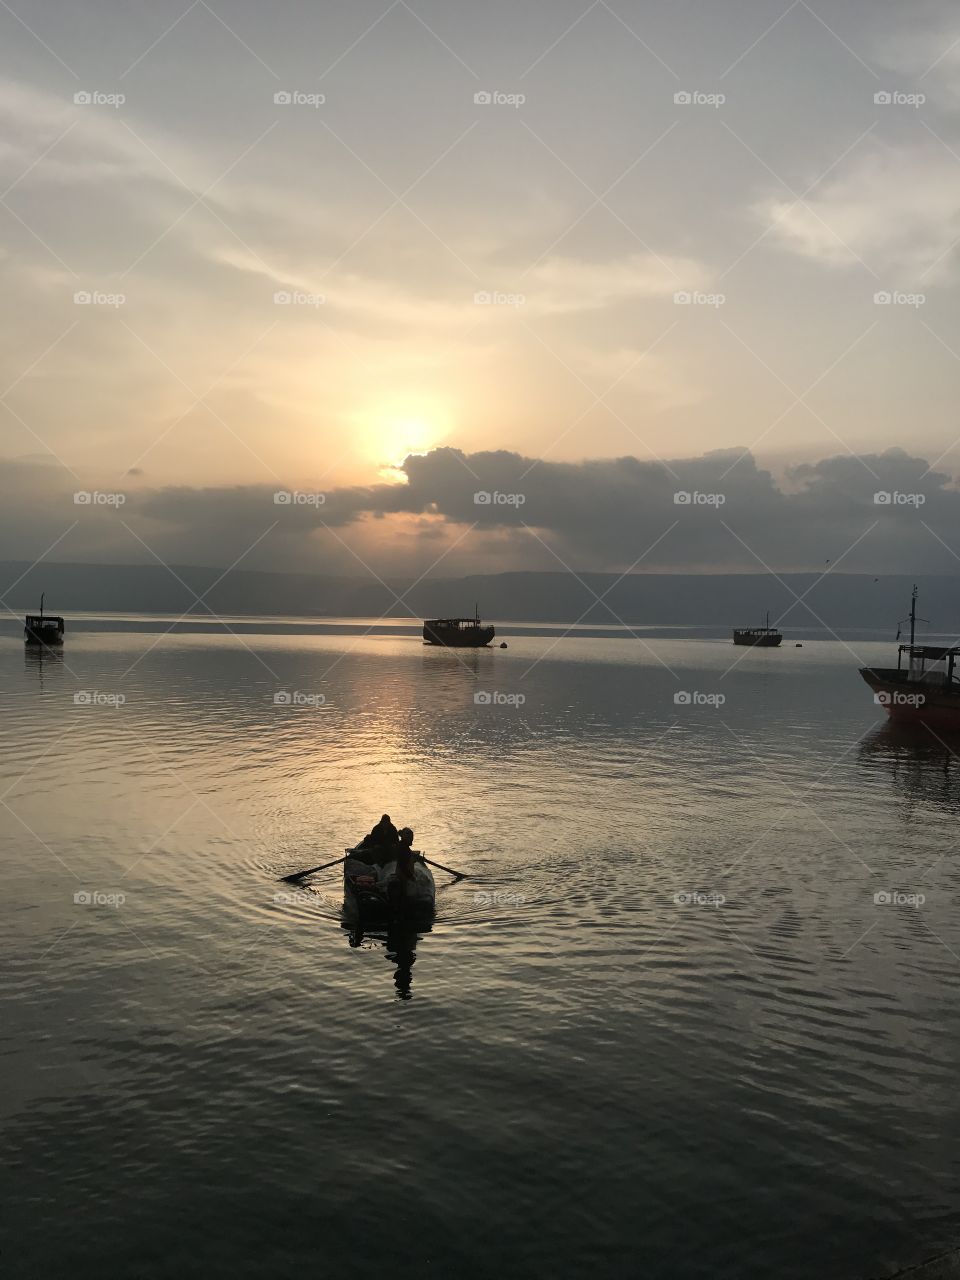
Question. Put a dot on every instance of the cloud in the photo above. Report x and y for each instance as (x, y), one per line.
(497, 509)
(897, 209)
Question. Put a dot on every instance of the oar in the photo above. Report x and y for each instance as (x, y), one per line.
(461, 875)
(300, 875)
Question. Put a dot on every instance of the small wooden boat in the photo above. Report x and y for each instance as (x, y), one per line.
(458, 633)
(41, 628)
(373, 890)
(765, 637)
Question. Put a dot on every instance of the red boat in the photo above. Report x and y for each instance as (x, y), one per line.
(923, 687)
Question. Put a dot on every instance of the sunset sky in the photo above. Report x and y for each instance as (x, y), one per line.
(289, 295)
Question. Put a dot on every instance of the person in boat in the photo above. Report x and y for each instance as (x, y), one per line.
(406, 866)
(383, 835)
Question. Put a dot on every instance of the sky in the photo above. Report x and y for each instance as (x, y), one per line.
(395, 288)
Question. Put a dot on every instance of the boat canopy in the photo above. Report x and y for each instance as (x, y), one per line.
(929, 661)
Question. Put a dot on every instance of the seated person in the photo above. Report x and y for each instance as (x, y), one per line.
(383, 835)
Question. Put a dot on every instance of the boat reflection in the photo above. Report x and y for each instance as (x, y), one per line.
(41, 658)
(399, 940)
(924, 762)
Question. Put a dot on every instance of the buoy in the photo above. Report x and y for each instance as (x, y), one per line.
(799, 645)
(503, 644)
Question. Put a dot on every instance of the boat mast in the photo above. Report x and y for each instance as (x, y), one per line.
(42, 594)
(913, 615)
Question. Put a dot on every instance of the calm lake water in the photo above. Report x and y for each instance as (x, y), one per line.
(663, 1028)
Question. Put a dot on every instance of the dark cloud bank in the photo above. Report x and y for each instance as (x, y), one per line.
(715, 515)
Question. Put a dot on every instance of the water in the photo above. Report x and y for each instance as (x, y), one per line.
(572, 1073)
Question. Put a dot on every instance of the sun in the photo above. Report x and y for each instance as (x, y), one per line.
(389, 435)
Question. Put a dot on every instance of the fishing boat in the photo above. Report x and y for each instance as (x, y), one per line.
(373, 890)
(44, 629)
(765, 637)
(923, 687)
(458, 633)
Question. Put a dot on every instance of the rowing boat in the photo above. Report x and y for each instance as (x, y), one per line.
(371, 889)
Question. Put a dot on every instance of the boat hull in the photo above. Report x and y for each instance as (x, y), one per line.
(49, 638)
(375, 901)
(913, 701)
(472, 638)
(757, 642)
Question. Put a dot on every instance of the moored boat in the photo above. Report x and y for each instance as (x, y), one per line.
(765, 637)
(923, 687)
(458, 633)
(43, 629)
(373, 890)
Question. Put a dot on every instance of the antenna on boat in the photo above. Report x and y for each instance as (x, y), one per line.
(42, 594)
(912, 619)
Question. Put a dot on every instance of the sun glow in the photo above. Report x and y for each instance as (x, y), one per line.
(389, 435)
